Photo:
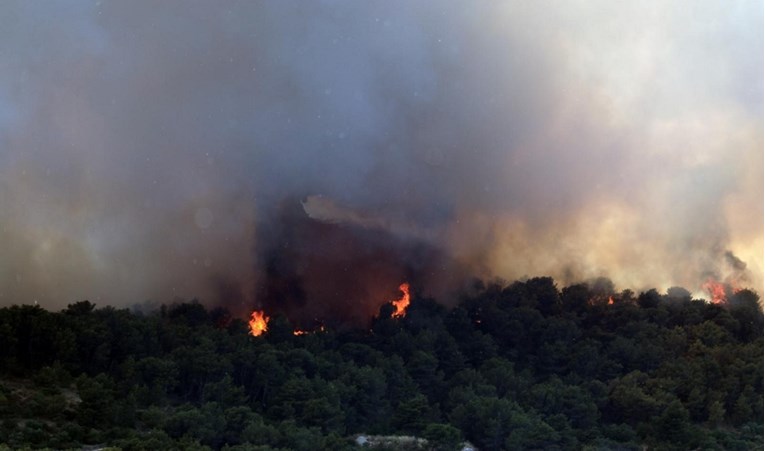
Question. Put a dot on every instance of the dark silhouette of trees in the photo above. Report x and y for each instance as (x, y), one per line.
(519, 366)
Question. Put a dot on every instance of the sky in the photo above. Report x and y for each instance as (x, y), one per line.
(147, 148)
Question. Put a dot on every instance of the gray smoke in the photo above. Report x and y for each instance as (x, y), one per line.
(147, 148)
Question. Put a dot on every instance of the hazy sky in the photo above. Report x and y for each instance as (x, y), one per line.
(143, 144)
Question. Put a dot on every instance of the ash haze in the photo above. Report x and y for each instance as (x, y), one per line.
(147, 149)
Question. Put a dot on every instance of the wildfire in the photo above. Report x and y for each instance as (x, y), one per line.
(600, 299)
(297, 332)
(716, 290)
(403, 303)
(258, 323)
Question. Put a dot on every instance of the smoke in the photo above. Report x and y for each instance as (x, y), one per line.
(342, 271)
(154, 150)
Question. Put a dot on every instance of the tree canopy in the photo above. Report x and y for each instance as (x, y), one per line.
(519, 366)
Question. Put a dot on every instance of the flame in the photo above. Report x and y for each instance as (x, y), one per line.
(403, 303)
(600, 299)
(297, 332)
(258, 323)
(716, 290)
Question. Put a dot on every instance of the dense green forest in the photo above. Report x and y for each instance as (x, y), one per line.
(518, 366)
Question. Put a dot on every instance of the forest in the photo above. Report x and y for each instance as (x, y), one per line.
(522, 365)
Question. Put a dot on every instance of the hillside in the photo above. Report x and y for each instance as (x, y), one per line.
(522, 366)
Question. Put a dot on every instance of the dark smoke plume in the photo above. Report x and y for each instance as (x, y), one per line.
(331, 271)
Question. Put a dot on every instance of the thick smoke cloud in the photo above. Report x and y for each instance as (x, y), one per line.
(147, 149)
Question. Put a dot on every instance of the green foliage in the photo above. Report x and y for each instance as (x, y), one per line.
(524, 366)
(442, 437)
(411, 415)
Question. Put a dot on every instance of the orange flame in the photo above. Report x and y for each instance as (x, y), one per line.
(258, 323)
(297, 332)
(403, 303)
(716, 290)
(610, 300)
